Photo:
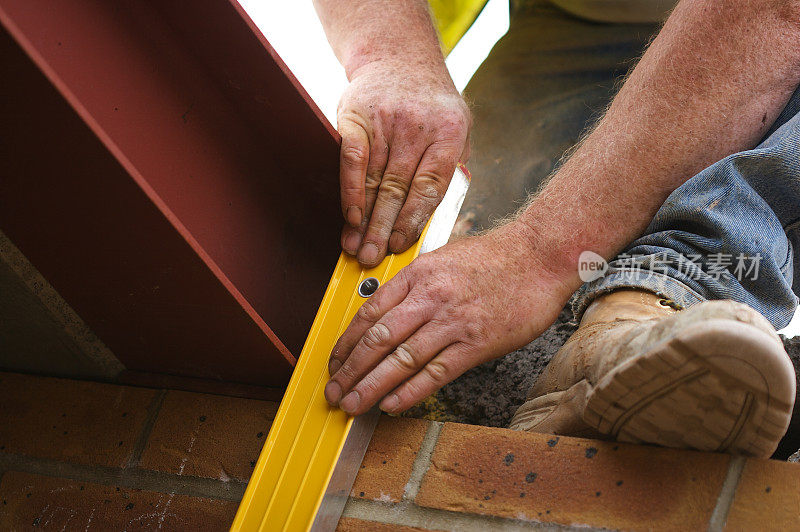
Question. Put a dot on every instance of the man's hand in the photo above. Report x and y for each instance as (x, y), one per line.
(446, 312)
(403, 132)
(404, 125)
(711, 83)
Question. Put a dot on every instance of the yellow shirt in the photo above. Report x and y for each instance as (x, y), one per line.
(453, 19)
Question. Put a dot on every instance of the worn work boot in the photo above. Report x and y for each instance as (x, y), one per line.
(713, 377)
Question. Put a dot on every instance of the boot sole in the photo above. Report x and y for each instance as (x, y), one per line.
(720, 385)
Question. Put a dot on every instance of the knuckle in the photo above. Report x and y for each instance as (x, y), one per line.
(346, 373)
(474, 330)
(420, 267)
(403, 358)
(368, 311)
(436, 371)
(455, 117)
(461, 117)
(407, 116)
(428, 186)
(452, 313)
(394, 188)
(372, 181)
(444, 158)
(368, 386)
(453, 121)
(354, 156)
(439, 291)
(376, 335)
(350, 189)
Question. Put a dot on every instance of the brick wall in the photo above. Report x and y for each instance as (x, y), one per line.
(85, 455)
(79, 454)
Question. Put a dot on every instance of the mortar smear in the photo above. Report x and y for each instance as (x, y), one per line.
(489, 394)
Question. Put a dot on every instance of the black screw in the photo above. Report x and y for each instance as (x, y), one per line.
(368, 286)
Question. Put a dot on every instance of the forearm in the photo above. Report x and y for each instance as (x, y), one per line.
(710, 85)
(396, 32)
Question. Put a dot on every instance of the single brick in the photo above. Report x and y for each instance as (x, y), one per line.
(571, 481)
(767, 497)
(349, 524)
(32, 501)
(387, 464)
(209, 436)
(75, 421)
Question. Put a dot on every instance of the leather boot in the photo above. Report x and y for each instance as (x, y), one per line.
(713, 377)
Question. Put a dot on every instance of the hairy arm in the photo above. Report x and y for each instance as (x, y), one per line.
(404, 125)
(709, 85)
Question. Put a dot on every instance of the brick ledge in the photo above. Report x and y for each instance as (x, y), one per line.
(74, 453)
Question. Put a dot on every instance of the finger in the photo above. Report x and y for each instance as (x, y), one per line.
(351, 238)
(467, 151)
(354, 158)
(427, 190)
(445, 367)
(379, 153)
(406, 360)
(384, 299)
(394, 186)
(378, 159)
(378, 341)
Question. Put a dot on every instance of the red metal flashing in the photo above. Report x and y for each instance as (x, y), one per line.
(169, 177)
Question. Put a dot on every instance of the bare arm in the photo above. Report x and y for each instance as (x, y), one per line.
(404, 126)
(709, 85)
(366, 31)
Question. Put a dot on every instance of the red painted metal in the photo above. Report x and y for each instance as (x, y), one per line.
(166, 173)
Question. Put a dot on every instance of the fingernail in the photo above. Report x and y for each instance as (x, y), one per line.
(351, 242)
(333, 366)
(350, 402)
(396, 241)
(390, 403)
(354, 216)
(333, 392)
(368, 253)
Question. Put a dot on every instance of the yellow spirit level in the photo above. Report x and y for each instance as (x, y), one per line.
(310, 459)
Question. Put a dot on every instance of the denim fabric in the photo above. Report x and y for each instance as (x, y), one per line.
(741, 213)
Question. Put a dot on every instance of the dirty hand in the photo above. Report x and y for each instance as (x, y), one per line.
(448, 311)
(403, 131)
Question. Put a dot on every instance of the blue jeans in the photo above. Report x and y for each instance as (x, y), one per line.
(730, 232)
